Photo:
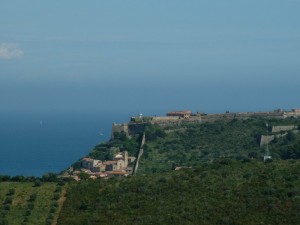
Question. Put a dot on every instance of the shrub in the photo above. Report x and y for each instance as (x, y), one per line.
(6, 207)
(8, 200)
(56, 196)
(4, 213)
(61, 183)
(54, 204)
(11, 191)
(53, 209)
(4, 178)
(3, 221)
(58, 189)
(37, 183)
(18, 178)
(291, 136)
(48, 222)
(30, 206)
(51, 216)
(32, 197)
(50, 177)
(28, 212)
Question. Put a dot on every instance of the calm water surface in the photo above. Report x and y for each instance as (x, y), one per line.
(34, 144)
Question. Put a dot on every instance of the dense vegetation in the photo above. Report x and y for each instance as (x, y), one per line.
(193, 144)
(223, 192)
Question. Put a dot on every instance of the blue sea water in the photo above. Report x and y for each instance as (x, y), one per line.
(32, 144)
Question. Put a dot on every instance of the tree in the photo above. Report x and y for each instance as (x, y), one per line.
(84, 176)
(50, 177)
(11, 191)
(37, 183)
(291, 136)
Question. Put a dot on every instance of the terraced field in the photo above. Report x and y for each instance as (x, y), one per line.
(26, 203)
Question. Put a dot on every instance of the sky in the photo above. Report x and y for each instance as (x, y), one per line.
(149, 56)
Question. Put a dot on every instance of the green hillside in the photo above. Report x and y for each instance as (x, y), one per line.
(223, 192)
(225, 182)
(193, 144)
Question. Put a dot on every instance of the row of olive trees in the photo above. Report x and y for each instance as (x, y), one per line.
(54, 205)
(6, 205)
(49, 177)
(30, 207)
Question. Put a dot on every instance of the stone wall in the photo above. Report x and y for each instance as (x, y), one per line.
(292, 114)
(266, 139)
(216, 117)
(140, 153)
(283, 128)
(165, 119)
(129, 129)
(117, 128)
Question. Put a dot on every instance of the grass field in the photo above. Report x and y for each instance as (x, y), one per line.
(24, 203)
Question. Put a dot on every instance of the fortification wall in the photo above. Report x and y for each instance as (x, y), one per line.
(292, 114)
(129, 129)
(140, 153)
(283, 128)
(165, 119)
(242, 116)
(273, 115)
(266, 139)
(193, 119)
(216, 117)
(117, 128)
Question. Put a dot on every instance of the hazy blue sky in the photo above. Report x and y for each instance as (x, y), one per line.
(204, 55)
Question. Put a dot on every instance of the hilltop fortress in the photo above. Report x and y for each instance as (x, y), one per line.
(119, 163)
(136, 124)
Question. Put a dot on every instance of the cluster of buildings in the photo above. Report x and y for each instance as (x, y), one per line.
(121, 165)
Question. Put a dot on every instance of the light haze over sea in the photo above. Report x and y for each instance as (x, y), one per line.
(78, 66)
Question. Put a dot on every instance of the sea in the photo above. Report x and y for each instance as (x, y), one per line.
(33, 144)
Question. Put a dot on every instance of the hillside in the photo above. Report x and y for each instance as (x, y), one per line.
(223, 179)
(193, 144)
(223, 192)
